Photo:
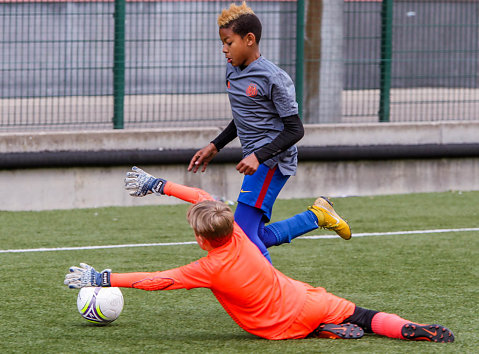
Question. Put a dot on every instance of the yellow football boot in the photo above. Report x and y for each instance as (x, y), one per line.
(329, 219)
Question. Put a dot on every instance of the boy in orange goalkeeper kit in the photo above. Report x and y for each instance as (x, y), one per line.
(259, 298)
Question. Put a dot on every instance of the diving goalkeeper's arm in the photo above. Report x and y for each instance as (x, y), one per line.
(140, 183)
(186, 277)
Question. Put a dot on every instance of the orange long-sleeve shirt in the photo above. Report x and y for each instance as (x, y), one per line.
(258, 297)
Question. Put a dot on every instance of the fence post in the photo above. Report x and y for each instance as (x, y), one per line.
(119, 66)
(300, 55)
(386, 60)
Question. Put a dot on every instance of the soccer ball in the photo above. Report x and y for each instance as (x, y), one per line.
(100, 305)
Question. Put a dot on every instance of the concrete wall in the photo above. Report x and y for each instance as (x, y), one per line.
(76, 187)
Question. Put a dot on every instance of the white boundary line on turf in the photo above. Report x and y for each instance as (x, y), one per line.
(97, 247)
(437, 231)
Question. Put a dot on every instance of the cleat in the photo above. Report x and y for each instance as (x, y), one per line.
(432, 333)
(332, 221)
(341, 331)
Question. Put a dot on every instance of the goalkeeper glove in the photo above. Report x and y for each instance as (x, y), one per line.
(86, 275)
(140, 183)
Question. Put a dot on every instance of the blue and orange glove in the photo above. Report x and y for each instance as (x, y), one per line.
(86, 275)
(140, 183)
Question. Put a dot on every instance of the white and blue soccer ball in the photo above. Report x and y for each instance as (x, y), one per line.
(100, 305)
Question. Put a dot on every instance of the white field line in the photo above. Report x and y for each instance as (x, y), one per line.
(437, 231)
(97, 247)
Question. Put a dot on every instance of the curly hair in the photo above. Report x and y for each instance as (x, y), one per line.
(241, 19)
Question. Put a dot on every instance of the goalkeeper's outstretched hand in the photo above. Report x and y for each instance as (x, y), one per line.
(140, 183)
(86, 275)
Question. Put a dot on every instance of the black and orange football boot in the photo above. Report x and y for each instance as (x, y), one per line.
(430, 332)
(338, 331)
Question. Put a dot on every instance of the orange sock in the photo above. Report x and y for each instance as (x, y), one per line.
(387, 324)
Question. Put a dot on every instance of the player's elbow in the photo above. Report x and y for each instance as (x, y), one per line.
(294, 127)
(297, 133)
(300, 133)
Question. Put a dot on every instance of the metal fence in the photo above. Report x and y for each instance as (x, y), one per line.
(422, 56)
(116, 64)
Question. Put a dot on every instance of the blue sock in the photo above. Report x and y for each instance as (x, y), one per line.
(251, 221)
(286, 230)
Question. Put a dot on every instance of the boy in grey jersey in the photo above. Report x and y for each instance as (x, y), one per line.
(265, 119)
(260, 95)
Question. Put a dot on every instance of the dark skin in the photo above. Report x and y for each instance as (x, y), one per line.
(239, 51)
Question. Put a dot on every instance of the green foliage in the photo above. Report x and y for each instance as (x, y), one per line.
(425, 278)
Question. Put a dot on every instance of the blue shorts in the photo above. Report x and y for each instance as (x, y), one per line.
(261, 189)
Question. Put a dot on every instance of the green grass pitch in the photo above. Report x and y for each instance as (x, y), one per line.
(422, 277)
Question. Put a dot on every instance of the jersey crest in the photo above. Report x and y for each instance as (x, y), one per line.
(251, 91)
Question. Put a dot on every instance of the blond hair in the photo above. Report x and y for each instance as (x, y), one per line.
(233, 13)
(212, 220)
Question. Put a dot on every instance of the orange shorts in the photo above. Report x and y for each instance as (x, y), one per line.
(319, 307)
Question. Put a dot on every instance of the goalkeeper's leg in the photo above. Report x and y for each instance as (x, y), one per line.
(393, 326)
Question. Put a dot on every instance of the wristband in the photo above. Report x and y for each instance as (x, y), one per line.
(104, 280)
(158, 186)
